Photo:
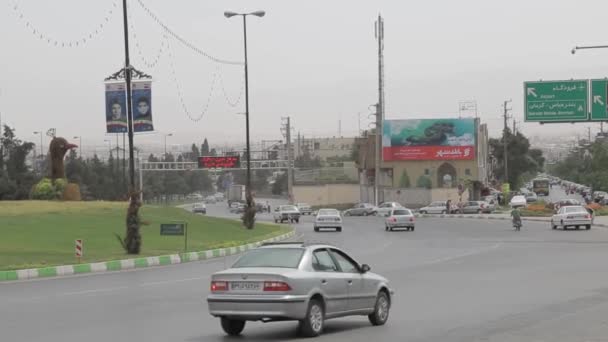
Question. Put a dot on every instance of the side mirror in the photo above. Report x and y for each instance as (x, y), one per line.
(365, 268)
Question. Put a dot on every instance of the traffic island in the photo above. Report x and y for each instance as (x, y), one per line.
(40, 238)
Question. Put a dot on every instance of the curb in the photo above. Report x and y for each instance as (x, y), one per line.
(126, 264)
(486, 217)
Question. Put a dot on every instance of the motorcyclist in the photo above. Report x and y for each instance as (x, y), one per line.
(516, 214)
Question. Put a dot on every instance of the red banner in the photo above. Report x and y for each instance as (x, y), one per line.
(227, 162)
(428, 153)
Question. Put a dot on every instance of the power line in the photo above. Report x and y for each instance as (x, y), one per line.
(163, 46)
(184, 41)
(179, 88)
(36, 32)
(226, 97)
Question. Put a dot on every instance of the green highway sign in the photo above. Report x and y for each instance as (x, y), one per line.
(172, 228)
(599, 89)
(556, 101)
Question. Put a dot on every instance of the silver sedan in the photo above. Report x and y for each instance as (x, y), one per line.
(297, 281)
(328, 218)
(573, 216)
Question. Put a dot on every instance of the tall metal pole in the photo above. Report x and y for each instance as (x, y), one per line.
(129, 99)
(289, 161)
(505, 141)
(379, 109)
(248, 156)
(124, 167)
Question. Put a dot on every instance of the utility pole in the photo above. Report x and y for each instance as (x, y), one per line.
(129, 99)
(287, 133)
(589, 135)
(379, 107)
(505, 140)
(514, 127)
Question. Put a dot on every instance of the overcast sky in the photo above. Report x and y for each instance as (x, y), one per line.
(313, 60)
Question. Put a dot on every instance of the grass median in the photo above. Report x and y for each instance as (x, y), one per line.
(39, 233)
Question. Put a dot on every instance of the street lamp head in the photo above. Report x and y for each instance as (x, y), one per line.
(229, 14)
(170, 134)
(573, 50)
(258, 13)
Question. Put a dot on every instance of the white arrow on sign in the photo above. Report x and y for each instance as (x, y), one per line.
(532, 91)
(598, 99)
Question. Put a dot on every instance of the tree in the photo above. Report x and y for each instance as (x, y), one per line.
(280, 184)
(520, 158)
(205, 148)
(16, 178)
(424, 182)
(404, 182)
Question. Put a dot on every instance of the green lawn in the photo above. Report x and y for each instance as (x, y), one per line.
(40, 233)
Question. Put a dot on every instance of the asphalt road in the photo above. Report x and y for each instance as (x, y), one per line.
(455, 280)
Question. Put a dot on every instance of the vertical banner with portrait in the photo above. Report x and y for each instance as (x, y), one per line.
(142, 106)
(116, 108)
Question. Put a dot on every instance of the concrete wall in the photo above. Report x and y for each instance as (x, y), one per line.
(327, 194)
(413, 197)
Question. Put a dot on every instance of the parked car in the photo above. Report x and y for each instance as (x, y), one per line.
(219, 196)
(199, 208)
(385, 208)
(531, 197)
(210, 200)
(288, 213)
(400, 218)
(328, 218)
(566, 202)
(491, 203)
(194, 196)
(518, 201)
(237, 207)
(600, 196)
(304, 208)
(297, 281)
(571, 216)
(361, 209)
(437, 207)
(476, 207)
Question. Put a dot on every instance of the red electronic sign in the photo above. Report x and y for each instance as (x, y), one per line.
(227, 162)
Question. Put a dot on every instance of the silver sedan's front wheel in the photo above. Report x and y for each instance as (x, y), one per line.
(312, 325)
(381, 310)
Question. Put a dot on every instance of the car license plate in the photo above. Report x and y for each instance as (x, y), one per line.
(245, 286)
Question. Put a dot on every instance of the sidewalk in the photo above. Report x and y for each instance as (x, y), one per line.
(598, 221)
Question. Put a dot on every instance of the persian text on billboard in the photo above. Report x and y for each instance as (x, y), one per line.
(428, 139)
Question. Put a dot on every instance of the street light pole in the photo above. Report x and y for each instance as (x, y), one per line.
(41, 143)
(167, 135)
(129, 99)
(228, 14)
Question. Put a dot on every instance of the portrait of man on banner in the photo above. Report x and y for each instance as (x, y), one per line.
(116, 108)
(142, 106)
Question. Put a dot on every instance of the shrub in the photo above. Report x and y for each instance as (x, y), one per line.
(44, 190)
(71, 192)
(424, 182)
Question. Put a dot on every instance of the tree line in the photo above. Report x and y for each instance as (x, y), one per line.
(585, 165)
(523, 162)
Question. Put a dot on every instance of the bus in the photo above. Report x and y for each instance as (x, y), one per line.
(540, 186)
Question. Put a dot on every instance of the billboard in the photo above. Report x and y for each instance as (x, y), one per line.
(142, 106)
(227, 162)
(116, 108)
(428, 139)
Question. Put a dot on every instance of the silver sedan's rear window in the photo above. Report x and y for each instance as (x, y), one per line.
(271, 257)
(402, 212)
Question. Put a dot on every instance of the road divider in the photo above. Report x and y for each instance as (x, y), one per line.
(496, 217)
(134, 263)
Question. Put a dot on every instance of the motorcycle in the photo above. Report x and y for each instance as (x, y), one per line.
(517, 224)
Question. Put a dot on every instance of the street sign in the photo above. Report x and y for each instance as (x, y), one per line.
(172, 228)
(79, 250)
(556, 101)
(599, 111)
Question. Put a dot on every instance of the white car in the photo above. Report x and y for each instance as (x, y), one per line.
(437, 207)
(288, 213)
(199, 208)
(328, 218)
(385, 208)
(400, 218)
(573, 216)
(210, 200)
(518, 201)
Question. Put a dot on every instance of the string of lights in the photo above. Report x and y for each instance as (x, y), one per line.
(36, 32)
(186, 43)
(147, 62)
(226, 97)
(179, 87)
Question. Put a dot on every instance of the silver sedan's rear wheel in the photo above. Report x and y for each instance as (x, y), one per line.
(312, 325)
(381, 310)
(232, 327)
